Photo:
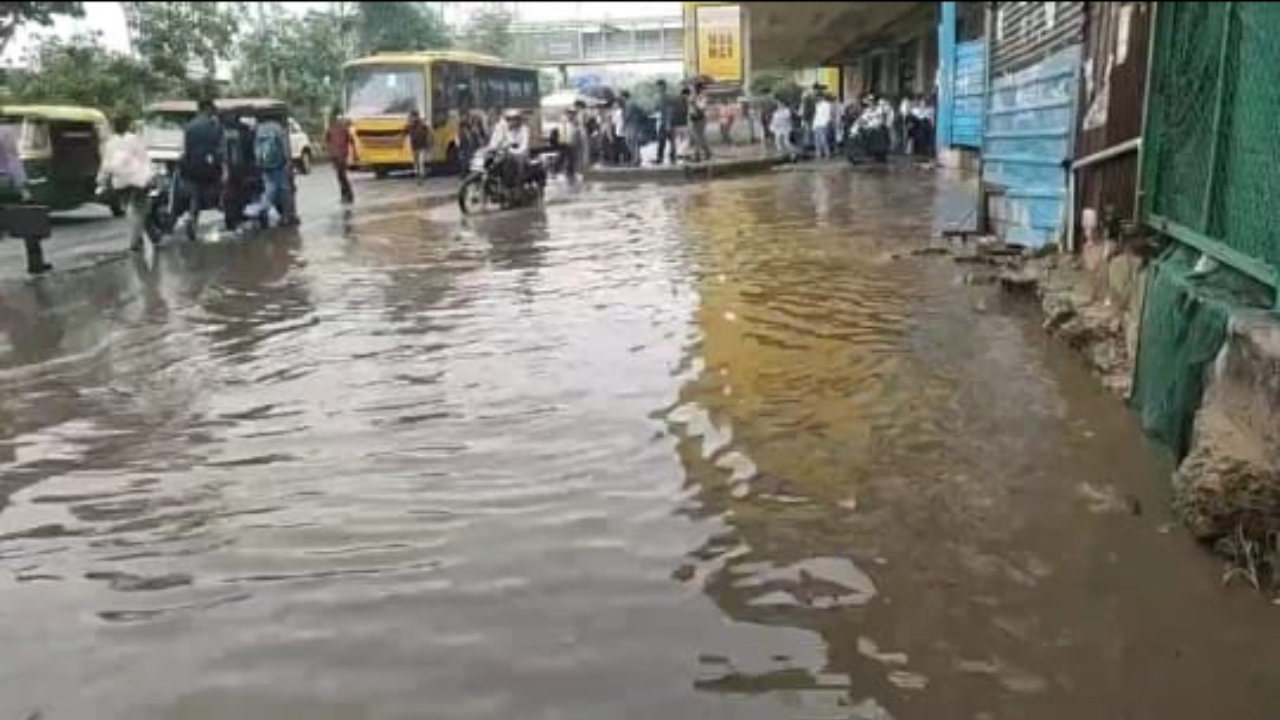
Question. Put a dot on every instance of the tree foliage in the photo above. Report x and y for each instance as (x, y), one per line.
(299, 61)
(391, 26)
(781, 86)
(80, 71)
(489, 31)
(174, 36)
(15, 14)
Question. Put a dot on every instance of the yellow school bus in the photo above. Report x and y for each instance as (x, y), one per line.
(381, 90)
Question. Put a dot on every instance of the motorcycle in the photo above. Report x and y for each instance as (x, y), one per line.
(485, 183)
(870, 140)
(164, 200)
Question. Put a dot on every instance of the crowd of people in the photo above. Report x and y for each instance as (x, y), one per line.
(819, 125)
(613, 132)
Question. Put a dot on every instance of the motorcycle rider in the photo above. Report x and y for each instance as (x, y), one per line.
(512, 135)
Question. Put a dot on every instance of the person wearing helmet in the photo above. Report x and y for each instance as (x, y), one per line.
(512, 136)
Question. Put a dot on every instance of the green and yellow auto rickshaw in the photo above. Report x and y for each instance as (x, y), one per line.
(61, 149)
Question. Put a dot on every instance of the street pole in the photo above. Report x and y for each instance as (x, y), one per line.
(262, 29)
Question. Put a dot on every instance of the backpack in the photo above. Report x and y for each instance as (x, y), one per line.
(199, 143)
(268, 147)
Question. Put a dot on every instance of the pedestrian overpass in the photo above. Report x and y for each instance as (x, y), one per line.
(576, 43)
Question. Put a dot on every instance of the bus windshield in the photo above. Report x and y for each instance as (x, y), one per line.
(384, 90)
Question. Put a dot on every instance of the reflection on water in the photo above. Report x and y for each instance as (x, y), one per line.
(696, 451)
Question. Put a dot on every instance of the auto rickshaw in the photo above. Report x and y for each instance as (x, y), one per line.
(164, 123)
(61, 149)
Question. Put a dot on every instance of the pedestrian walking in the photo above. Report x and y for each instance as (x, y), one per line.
(633, 119)
(768, 106)
(808, 107)
(420, 143)
(473, 139)
(338, 141)
(698, 122)
(13, 191)
(666, 137)
(573, 148)
(242, 175)
(201, 166)
(618, 120)
(126, 172)
(822, 127)
(271, 151)
(727, 117)
(780, 127)
(680, 124)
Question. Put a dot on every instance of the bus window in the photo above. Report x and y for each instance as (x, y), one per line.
(493, 91)
(384, 90)
(439, 94)
(452, 89)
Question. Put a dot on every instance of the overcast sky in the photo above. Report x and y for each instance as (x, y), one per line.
(108, 18)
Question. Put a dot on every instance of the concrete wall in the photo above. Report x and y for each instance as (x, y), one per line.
(1229, 483)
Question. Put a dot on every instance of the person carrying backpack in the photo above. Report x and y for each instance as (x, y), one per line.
(201, 166)
(271, 152)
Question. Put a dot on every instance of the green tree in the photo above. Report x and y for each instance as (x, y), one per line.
(174, 36)
(303, 57)
(80, 71)
(15, 14)
(779, 85)
(391, 26)
(489, 31)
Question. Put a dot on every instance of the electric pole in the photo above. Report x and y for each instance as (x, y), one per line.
(267, 41)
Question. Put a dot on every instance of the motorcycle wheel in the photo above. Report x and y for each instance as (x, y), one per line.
(158, 223)
(471, 195)
(533, 192)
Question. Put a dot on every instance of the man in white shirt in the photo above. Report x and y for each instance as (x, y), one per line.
(511, 134)
(126, 170)
(822, 117)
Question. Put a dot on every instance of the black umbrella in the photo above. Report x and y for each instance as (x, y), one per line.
(603, 93)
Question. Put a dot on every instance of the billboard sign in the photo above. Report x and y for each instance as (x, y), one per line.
(719, 38)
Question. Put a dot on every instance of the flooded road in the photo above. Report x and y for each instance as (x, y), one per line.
(679, 452)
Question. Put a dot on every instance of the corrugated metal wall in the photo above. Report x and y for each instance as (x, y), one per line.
(970, 91)
(1030, 123)
(1027, 145)
(962, 76)
(1117, 38)
(1026, 33)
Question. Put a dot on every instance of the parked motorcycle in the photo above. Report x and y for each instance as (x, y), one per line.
(486, 184)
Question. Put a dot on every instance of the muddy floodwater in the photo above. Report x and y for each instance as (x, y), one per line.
(653, 452)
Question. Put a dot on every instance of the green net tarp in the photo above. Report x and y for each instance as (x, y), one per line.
(1184, 323)
(1213, 129)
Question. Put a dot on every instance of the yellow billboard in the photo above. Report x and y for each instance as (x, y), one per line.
(719, 33)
